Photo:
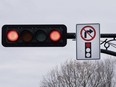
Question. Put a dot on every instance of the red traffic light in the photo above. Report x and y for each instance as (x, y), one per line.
(55, 35)
(12, 35)
(34, 35)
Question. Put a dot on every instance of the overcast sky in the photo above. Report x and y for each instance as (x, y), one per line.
(25, 67)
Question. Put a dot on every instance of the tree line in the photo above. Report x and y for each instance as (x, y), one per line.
(82, 74)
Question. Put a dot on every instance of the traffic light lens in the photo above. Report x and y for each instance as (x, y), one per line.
(12, 35)
(26, 36)
(55, 35)
(41, 36)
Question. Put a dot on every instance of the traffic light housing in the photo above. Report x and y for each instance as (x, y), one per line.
(34, 35)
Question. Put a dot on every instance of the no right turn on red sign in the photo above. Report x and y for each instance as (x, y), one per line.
(88, 41)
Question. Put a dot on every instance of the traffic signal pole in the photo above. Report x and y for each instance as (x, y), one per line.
(107, 43)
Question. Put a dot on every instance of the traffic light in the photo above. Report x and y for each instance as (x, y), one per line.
(34, 35)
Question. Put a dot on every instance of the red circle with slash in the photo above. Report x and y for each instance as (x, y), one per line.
(91, 36)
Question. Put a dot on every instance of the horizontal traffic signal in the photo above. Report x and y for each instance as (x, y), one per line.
(34, 35)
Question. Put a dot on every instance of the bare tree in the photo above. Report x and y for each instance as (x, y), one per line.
(82, 74)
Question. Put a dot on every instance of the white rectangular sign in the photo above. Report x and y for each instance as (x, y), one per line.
(88, 41)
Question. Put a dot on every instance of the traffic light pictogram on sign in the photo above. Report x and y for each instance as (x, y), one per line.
(88, 50)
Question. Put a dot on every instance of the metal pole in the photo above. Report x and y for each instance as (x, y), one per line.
(73, 35)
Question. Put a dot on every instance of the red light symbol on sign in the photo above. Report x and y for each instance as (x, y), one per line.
(88, 33)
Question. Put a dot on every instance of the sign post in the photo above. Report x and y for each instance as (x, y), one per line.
(88, 41)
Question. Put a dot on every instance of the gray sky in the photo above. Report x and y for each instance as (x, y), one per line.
(24, 67)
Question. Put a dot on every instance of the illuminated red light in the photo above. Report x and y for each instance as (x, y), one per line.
(55, 35)
(12, 35)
